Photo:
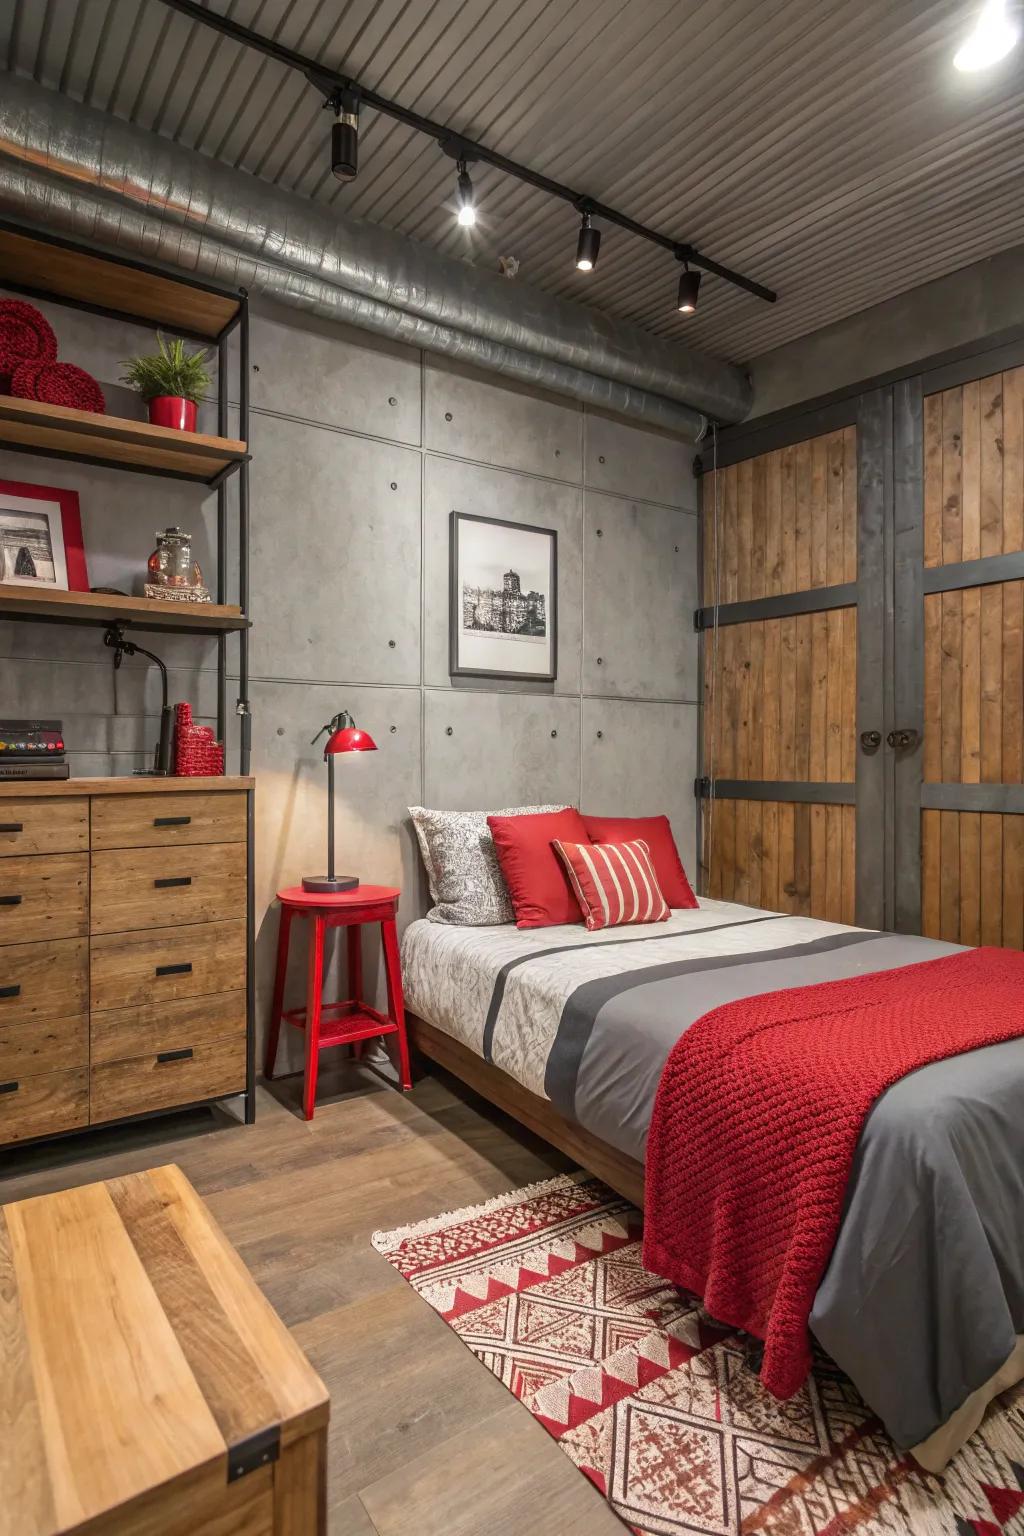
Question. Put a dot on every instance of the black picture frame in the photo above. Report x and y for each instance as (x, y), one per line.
(458, 666)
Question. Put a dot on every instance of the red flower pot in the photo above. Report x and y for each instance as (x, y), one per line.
(173, 411)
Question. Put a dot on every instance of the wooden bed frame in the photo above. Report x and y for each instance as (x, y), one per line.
(623, 1173)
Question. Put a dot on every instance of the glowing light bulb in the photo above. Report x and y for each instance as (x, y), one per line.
(467, 215)
(992, 38)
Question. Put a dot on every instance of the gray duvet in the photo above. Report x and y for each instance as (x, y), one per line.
(924, 1294)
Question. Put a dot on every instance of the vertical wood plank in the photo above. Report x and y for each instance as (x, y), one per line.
(1013, 461)
(770, 856)
(771, 703)
(848, 696)
(970, 471)
(818, 701)
(835, 514)
(804, 686)
(788, 456)
(991, 702)
(951, 683)
(787, 699)
(970, 878)
(990, 884)
(802, 859)
(754, 768)
(949, 876)
(952, 514)
(728, 546)
(744, 528)
(820, 509)
(834, 696)
(970, 686)
(759, 472)
(833, 863)
(933, 480)
(804, 515)
(819, 860)
(932, 767)
(741, 850)
(931, 919)
(1013, 881)
(773, 524)
(787, 855)
(1012, 746)
(849, 826)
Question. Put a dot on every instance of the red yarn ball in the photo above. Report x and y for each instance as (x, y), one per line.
(58, 384)
(25, 335)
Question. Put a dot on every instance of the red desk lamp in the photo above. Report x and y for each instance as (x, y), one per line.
(343, 735)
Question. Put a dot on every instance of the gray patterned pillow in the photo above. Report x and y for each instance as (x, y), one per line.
(466, 882)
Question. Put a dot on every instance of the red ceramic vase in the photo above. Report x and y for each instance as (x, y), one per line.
(173, 411)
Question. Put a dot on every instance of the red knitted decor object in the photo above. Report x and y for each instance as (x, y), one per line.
(196, 753)
(58, 384)
(757, 1118)
(25, 336)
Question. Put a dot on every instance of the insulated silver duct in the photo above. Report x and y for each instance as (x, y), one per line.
(73, 170)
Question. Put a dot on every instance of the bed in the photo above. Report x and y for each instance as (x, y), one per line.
(923, 1300)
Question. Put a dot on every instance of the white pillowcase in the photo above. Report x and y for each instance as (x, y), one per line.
(466, 883)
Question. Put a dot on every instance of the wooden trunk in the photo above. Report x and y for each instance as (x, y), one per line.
(147, 1388)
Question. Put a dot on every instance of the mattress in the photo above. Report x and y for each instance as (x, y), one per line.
(923, 1301)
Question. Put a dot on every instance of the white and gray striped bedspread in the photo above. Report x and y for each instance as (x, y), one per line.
(924, 1296)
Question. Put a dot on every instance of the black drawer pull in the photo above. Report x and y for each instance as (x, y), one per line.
(10, 901)
(12, 826)
(14, 991)
(185, 1055)
(173, 880)
(8, 1087)
(184, 969)
(172, 821)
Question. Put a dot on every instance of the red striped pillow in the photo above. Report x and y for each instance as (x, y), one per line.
(614, 883)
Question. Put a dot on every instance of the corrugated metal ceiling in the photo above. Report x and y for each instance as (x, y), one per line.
(824, 147)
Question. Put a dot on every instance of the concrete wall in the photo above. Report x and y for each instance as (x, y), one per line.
(360, 451)
(978, 301)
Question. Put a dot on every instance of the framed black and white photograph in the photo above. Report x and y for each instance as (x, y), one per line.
(503, 599)
(41, 537)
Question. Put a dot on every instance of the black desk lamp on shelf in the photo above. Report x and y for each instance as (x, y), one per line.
(343, 735)
(116, 638)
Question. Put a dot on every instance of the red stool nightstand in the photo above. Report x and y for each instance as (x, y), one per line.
(347, 1022)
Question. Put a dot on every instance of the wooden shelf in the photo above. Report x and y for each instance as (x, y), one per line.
(136, 784)
(57, 429)
(113, 284)
(18, 602)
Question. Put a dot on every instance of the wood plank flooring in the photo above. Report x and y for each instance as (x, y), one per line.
(423, 1439)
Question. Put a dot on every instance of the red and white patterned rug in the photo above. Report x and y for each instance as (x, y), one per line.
(658, 1405)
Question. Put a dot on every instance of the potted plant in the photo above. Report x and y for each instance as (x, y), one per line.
(171, 381)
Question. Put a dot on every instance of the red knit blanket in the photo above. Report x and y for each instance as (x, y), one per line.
(757, 1118)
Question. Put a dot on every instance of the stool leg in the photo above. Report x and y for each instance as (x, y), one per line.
(396, 1001)
(283, 935)
(355, 975)
(314, 996)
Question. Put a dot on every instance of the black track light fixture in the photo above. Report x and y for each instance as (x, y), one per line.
(587, 246)
(689, 290)
(465, 197)
(345, 133)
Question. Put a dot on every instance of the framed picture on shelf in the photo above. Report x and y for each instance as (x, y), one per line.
(503, 599)
(41, 537)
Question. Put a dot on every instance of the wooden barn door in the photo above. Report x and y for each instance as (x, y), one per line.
(779, 640)
(972, 759)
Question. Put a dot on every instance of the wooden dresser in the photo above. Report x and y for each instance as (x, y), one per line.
(125, 949)
(147, 1387)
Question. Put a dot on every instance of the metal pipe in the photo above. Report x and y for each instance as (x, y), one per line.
(77, 171)
(329, 82)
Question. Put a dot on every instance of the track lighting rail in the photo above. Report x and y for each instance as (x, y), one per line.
(330, 83)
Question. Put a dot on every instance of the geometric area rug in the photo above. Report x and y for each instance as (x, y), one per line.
(661, 1407)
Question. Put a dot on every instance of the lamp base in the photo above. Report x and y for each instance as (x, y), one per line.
(330, 884)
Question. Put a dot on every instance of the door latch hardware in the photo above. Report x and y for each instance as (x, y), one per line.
(870, 740)
(902, 740)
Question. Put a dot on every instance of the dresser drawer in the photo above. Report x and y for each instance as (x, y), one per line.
(43, 1105)
(119, 1033)
(43, 1045)
(132, 970)
(167, 820)
(146, 1083)
(47, 825)
(48, 980)
(44, 897)
(149, 887)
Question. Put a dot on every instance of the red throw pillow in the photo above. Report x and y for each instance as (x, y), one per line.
(615, 883)
(657, 834)
(537, 883)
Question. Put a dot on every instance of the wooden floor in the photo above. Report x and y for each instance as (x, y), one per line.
(423, 1439)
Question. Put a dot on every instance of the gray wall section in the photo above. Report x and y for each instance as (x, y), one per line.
(978, 301)
(360, 452)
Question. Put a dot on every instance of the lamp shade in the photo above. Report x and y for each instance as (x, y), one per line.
(349, 738)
